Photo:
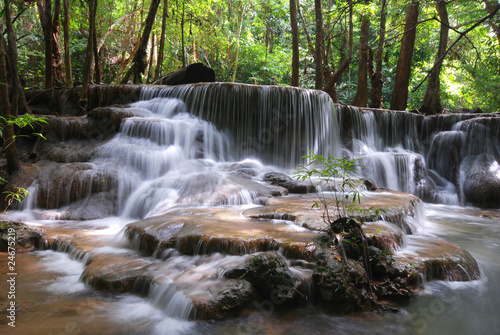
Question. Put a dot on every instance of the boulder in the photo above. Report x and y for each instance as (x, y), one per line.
(270, 275)
(193, 73)
(283, 180)
(25, 238)
(482, 181)
(370, 184)
(225, 299)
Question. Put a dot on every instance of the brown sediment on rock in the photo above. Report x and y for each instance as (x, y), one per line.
(434, 259)
(118, 274)
(393, 207)
(223, 230)
(18, 236)
(62, 184)
(384, 235)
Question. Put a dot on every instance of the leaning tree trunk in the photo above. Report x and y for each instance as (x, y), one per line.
(376, 99)
(403, 71)
(361, 97)
(159, 61)
(19, 103)
(319, 44)
(432, 97)
(9, 146)
(139, 62)
(295, 44)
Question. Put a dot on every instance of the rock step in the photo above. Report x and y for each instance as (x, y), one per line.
(222, 230)
(428, 258)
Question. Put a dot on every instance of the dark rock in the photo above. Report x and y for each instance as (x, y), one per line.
(370, 184)
(482, 181)
(270, 275)
(461, 111)
(64, 101)
(26, 238)
(229, 297)
(468, 111)
(283, 180)
(193, 73)
(342, 288)
(68, 152)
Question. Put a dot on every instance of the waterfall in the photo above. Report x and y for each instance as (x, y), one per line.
(199, 145)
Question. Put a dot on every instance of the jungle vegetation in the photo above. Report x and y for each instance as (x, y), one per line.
(428, 55)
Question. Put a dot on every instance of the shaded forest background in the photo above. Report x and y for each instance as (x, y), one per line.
(425, 55)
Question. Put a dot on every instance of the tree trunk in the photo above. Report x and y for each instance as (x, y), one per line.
(45, 14)
(139, 62)
(162, 40)
(495, 21)
(306, 31)
(376, 100)
(361, 97)
(331, 85)
(432, 97)
(67, 54)
(57, 59)
(295, 44)
(8, 131)
(403, 71)
(19, 103)
(182, 36)
(319, 44)
(238, 34)
(151, 59)
(97, 63)
(87, 69)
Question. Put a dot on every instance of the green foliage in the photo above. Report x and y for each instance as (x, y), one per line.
(10, 196)
(337, 177)
(26, 120)
(261, 53)
(339, 194)
(21, 121)
(17, 195)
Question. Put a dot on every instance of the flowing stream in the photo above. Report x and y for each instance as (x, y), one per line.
(206, 147)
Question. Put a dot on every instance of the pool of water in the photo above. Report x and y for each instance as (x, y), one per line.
(53, 300)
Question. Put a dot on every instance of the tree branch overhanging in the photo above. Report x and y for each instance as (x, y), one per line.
(462, 34)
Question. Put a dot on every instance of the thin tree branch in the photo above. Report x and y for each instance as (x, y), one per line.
(462, 34)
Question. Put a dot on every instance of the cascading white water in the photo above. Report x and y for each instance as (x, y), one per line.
(157, 151)
(197, 145)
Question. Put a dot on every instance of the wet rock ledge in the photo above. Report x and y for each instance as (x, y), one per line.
(228, 259)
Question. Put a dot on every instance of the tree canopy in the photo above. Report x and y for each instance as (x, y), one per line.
(250, 41)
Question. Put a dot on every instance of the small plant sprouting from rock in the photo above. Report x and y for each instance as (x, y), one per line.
(339, 177)
(339, 197)
(339, 194)
(11, 196)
